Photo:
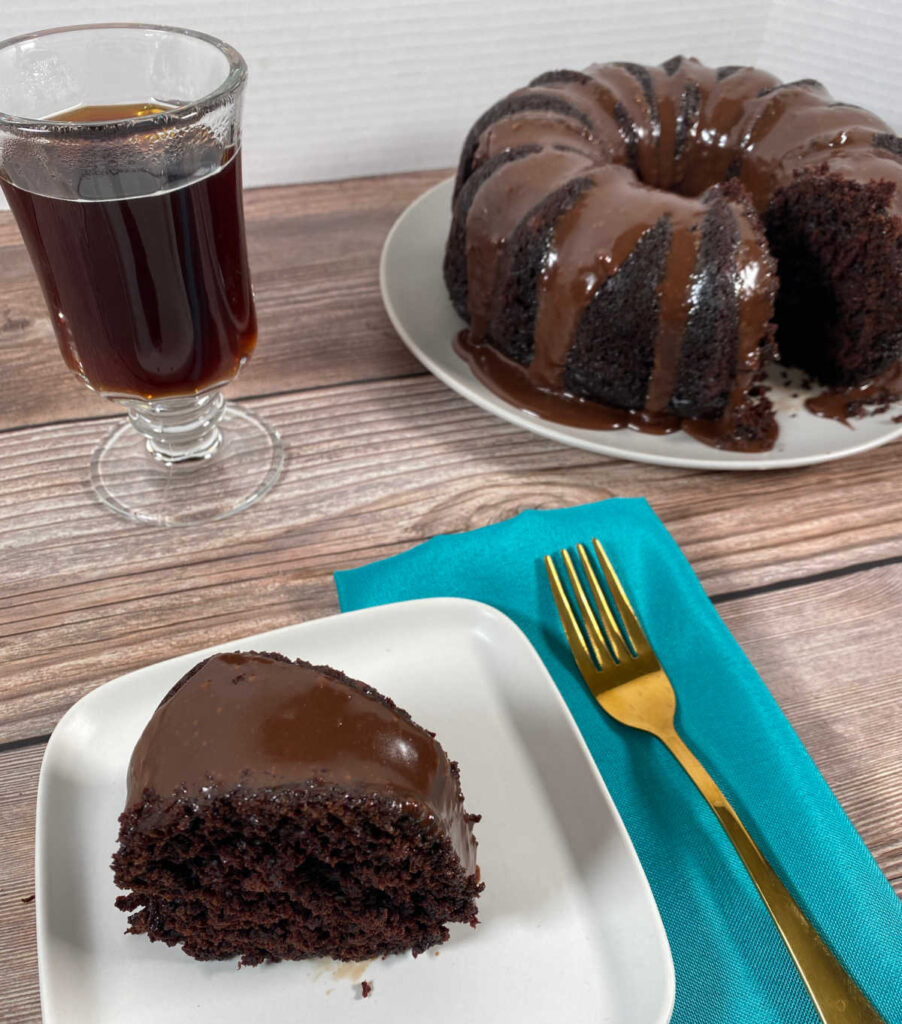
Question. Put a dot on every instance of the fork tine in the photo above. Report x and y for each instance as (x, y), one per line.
(616, 643)
(634, 632)
(589, 622)
(569, 621)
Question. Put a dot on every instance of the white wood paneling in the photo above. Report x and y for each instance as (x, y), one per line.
(355, 87)
(853, 46)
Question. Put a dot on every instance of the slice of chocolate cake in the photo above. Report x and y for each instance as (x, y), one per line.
(278, 810)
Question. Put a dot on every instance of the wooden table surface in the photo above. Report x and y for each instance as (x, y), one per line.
(803, 565)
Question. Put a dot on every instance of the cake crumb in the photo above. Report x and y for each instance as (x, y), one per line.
(365, 988)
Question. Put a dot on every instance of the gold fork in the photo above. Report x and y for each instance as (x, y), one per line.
(628, 682)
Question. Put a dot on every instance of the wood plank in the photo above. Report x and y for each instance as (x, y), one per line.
(19, 999)
(849, 718)
(372, 469)
(314, 253)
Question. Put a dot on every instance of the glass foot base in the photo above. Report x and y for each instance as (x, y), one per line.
(233, 472)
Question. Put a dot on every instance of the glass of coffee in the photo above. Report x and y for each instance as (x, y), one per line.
(120, 157)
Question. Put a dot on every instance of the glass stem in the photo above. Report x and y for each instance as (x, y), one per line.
(184, 428)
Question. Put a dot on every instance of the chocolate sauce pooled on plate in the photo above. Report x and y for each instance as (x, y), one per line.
(512, 382)
(845, 403)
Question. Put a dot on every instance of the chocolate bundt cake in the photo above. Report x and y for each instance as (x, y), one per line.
(626, 240)
(278, 810)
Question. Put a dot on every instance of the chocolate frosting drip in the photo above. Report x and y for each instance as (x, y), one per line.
(537, 98)
(499, 206)
(250, 722)
(534, 127)
(590, 242)
(676, 300)
(625, 99)
(755, 274)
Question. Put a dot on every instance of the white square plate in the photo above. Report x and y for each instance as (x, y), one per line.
(569, 926)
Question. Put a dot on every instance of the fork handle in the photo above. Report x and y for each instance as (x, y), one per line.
(836, 997)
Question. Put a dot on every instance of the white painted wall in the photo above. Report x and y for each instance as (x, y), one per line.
(352, 87)
(853, 46)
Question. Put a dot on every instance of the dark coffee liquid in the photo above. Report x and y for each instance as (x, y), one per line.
(149, 297)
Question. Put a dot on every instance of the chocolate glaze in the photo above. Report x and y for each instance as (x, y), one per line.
(682, 127)
(844, 404)
(499, 206)
(676, 299)
(249, 722)
(756, 280)
(590, 242)
(514, 384)
(529, 127)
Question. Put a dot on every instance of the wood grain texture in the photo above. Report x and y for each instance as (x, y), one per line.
(19, 999)
(789, 635)
(372, 469)
(314, 255)
(805, 565)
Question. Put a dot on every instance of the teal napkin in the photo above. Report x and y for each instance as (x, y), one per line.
(731, 966)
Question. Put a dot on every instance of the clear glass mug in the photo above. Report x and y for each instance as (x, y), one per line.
(120, 157)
